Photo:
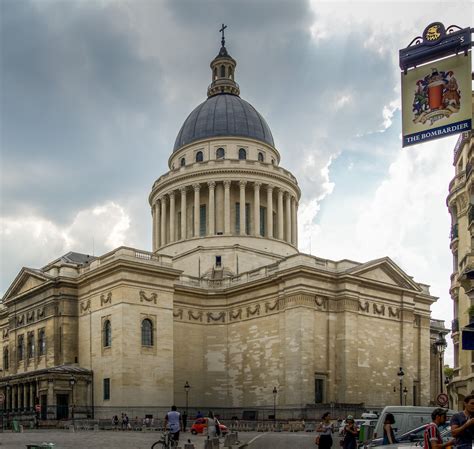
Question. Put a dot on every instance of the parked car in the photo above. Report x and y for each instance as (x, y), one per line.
(415, 438)
(412, 438)
(201, 423)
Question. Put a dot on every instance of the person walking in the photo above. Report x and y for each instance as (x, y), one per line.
(432, 437)
(462, 424)
(388, 433)
(173, 422)
(325, 430)
(115, 422)
(350, 434)
(212, 425)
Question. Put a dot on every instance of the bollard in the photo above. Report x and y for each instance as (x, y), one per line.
(208, 444)
(71, 428)
(215, 443)
(230, 439)
(96, 427)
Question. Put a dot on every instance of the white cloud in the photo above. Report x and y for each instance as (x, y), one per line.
(35, 241)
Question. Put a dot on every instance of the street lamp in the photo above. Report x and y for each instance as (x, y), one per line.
(440, 345)
(405, 392)
(187, 387)
(275, 392)
(72, 382)
(400, 375)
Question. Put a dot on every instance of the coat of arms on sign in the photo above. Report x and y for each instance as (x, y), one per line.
(437, 96)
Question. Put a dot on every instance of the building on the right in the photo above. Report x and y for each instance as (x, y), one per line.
(460, 202)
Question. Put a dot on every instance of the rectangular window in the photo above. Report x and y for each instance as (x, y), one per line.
(179, 226)
(218, 261)
(237, 218)
(41, 342)
(31, 344)
(202, 220)
(247, 218)
(275, 225)
(263, 223)
(318, 391)
(5, 358)
(106, 389)
(21, 347)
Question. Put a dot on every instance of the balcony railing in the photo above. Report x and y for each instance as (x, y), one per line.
(454, 231)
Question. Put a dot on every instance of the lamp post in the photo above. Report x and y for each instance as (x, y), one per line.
(440, 345)
(72, 382)
(275, 392)
(400, 375)
(405, 392)
(187, 387)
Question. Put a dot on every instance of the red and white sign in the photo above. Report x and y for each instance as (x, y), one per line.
(37, 408)
(442, 399)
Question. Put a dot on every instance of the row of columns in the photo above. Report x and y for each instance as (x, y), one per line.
(20, 396)
(286, 213)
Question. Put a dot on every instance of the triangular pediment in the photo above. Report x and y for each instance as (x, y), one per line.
(28, 279)
(385, 271)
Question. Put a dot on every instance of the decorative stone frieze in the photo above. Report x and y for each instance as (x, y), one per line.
(152, 298)
(255, 311)
(85, 305)
(106, 299)
(379, 309)
(219, 317)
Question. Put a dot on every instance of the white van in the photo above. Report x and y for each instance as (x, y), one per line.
(406, 418)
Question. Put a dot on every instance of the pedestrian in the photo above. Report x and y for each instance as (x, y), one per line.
(126, 422)
(432, 437)
(388, 433)
(122, 422)
(115, 422)
(325, 430)
(213, 425)
(350, 434)
(185, 421)
(199, 415)
(173, 422)
(462, 424)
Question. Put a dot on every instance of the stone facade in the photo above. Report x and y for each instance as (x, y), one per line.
(224, 301)
(460, 204)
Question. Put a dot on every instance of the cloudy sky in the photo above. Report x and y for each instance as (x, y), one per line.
(93, 94)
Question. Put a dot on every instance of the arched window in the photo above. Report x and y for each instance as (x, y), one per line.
(273, 161)
(199, 156)
(215, 73)
(147, 332)
(261, 157)
(231, 75)
(222, 71)
(242, 154)
(183, 162)
(220, 153)
(107, 341)
(41, 342)
(5, 359)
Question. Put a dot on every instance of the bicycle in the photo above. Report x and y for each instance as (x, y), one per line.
(166, 441)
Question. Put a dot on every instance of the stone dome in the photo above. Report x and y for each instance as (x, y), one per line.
(223, 115)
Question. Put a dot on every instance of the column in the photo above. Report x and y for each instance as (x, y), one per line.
(288, 217)
(256, 208)
(242, 207)
(163, 220)
(293, 220)
(197, 201)
(212, 208)
(50, 400)
(269, 212)
(280, 214)
(153, 231)
(157, 229)
(227, 207)
(172, 216)
(25, 396)
(32, 396)
(14, 397)
(184, 220)
(7, 398)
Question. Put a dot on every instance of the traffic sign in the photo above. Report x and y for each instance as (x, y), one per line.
(442, 399)
(37, 408)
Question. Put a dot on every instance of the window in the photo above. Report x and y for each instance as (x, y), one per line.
(20, 349)
(242, 154)
(182, 162)
(220, 153)
(147, 332)
(5, 359)
(179, 226)
(222, 71)
(263, 217)
(199, 156)
(107, 334)
(247, 218)
(202, 220)
(215, 72)
(261, 157)
(106, 389)
(318, 390)
(273, 161)
(218, 261)
(41, 342)
(31, 345)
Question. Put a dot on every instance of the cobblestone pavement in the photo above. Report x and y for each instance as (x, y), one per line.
(102, 439)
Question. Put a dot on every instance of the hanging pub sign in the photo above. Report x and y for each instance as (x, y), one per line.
(436, 93)
(436, 100)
